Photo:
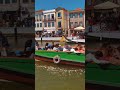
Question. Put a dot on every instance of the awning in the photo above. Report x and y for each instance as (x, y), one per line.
(106, 5)
(79, 28)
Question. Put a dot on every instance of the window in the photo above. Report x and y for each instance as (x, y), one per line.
(25, 1)
(40, 16)
(71, 24)
(53, 24)
(49, 24)
(36, 16)
(14, 1)
(7, 1)
(81, 15)
(52, 16)
(44, 16)
(45, 24)
(76, 23)
(81, 24)
(37, 24)
(59, 24)
(71, 15)
(49, 16)
(40, 24)
(59, 14)
(76, 15)
(1, 1)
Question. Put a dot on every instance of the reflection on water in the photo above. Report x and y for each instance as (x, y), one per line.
(14, 86)
(56, 77)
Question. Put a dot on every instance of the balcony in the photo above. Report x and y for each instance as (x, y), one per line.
(49, 19)
(59, 17)
(38, 20)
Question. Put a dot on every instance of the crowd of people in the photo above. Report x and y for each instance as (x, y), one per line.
(46, 34)
(79, 35)
(62, 48)
(5, 48)
(109, 21)
(106, 54)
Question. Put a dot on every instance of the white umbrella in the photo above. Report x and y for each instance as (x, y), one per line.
(106, 5)
(79, 28)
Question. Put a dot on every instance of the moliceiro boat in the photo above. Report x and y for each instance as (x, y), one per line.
(21, 70)
(104, 76)
(67, 58)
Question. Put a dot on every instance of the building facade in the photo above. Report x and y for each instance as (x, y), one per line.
(49, 19)
(39, 20)
(76, 18)
(59, 21)
(62, 20)
(19, 9)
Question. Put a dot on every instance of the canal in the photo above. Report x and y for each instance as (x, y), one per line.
(59, 77)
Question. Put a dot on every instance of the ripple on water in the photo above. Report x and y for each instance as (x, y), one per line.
(59, 76)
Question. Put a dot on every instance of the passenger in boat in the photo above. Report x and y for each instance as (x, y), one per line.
(55, 48)
(73, 49)
(60, 48)
(4, 45)
(96, 58)
(81, 49)
(115, 59)
(46, 46)
(65, 49)
(28, 44)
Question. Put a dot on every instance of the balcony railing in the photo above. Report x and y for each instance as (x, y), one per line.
(49, 19)
(38, 20)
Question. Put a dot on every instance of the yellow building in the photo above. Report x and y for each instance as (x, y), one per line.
(62, 20)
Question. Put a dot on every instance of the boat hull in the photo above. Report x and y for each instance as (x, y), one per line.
(17, 77)
(64, 62)
(89, 86)
(99, 76)
(19, 70)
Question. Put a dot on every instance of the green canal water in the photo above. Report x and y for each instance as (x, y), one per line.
(59, 77)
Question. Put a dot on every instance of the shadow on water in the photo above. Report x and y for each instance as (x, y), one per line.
(59, 77)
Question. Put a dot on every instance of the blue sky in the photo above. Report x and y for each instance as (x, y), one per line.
(51, 4)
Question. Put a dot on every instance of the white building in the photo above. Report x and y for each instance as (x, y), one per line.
(49, 24)
(38, 20)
